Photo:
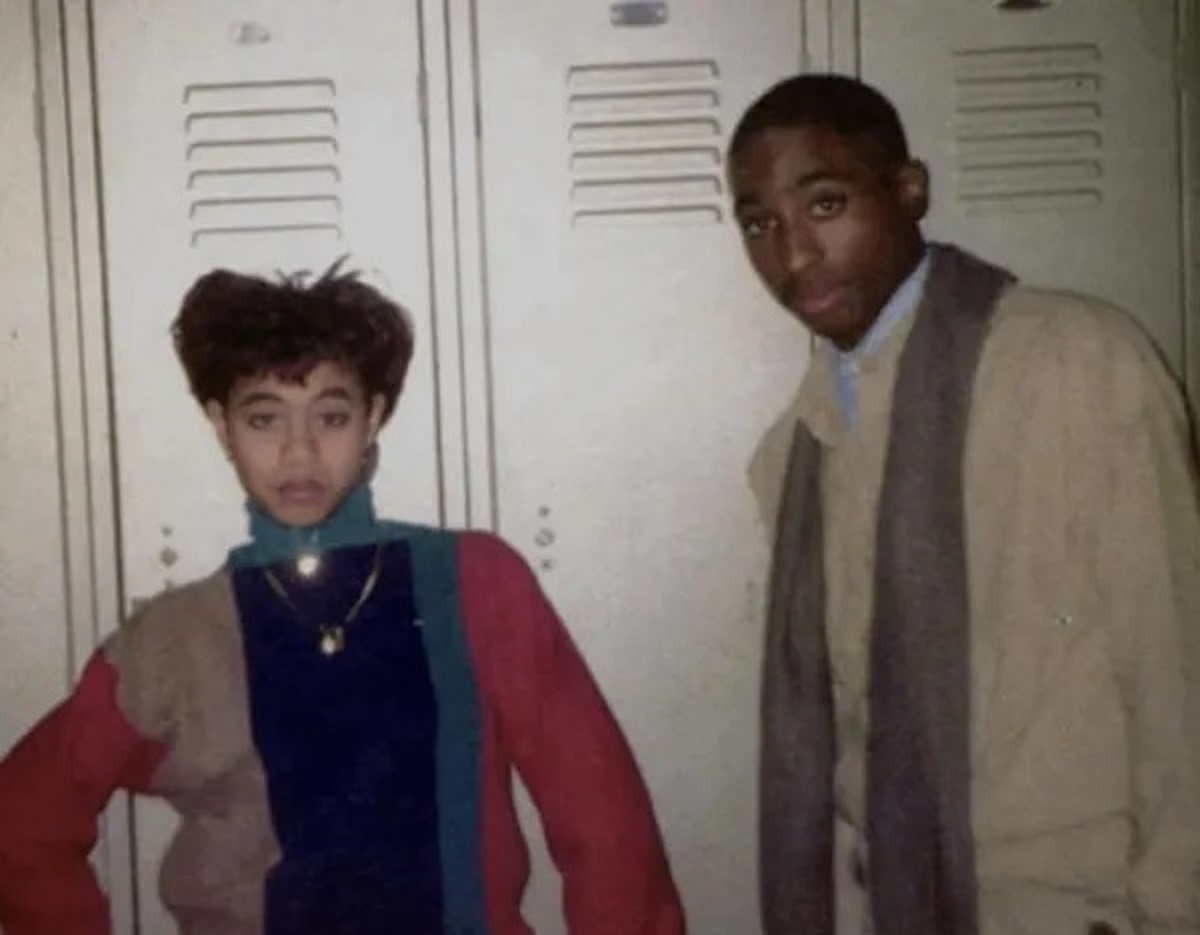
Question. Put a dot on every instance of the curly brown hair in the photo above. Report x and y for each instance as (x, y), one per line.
(232, 326)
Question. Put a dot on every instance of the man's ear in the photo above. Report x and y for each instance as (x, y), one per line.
(216, 417)
(912, 188)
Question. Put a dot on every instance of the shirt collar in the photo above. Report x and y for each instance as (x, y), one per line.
(817, 401)
(897, 308)
(352, 523)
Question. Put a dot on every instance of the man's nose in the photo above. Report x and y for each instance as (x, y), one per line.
(797, 248)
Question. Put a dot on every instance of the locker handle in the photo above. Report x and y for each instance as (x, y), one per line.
(1022, 6)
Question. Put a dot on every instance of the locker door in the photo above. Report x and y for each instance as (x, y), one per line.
(634, 361)
(265, 136)
(34, 608)
(1051, 129)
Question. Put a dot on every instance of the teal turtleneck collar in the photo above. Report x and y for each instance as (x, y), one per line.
(352, 523)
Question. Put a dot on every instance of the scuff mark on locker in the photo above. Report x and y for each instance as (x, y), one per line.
(248, 32)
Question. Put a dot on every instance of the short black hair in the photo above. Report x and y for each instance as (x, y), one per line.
(233, 326)
(839, 102)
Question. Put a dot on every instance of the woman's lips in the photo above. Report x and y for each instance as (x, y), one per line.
(301, 492)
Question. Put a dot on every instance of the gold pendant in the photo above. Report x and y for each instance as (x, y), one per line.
(333, 640)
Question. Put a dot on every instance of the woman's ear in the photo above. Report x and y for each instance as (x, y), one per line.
(375, 415)
(216, 418)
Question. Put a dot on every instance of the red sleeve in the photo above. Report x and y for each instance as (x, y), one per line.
(53, 784)
(567, 746)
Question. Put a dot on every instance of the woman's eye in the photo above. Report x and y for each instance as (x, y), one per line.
(260, 420)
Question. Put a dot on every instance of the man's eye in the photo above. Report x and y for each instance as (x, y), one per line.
(753, 226)
(335, 420)
(826, 206)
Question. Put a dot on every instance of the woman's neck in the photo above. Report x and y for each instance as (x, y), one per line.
(352, 523)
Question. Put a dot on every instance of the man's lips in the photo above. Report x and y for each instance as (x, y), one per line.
(820, 302)
(813, 300)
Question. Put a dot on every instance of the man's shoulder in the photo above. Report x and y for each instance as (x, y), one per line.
(1073, 321)
(1076, 343)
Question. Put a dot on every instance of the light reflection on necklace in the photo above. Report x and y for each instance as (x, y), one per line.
(332, 636)
(308, 564)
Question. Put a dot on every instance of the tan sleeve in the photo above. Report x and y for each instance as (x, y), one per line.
(768, 465)
(1147, 545)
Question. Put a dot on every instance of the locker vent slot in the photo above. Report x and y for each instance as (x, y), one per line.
(262, 160)
(645, 143)
(1028, 128)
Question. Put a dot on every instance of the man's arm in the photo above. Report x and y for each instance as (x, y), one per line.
(1148, 563)
(53, 784)
(564, 741)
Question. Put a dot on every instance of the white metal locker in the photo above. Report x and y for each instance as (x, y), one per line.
(261, 137)
(634, 361)
(34, 668)
(1052, 133)
(621, 361)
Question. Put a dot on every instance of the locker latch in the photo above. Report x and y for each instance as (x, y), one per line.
(639, 13)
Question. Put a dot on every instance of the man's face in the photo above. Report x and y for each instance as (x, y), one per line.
(298, 448)
(830, 228)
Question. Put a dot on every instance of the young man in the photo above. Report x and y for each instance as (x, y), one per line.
(336, 713)
(980, 708)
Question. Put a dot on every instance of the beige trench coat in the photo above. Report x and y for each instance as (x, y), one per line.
(1083, 531)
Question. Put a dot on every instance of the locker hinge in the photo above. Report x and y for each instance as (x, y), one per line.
(39, 121)
(422, 99)
(1187, 46)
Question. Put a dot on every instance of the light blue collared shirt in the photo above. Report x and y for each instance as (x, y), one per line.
(899, 306)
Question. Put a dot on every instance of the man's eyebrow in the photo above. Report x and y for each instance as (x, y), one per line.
(744, 201)
(802, 181)
(819, 175)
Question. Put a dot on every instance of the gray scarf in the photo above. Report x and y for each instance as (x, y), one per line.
(922, 867)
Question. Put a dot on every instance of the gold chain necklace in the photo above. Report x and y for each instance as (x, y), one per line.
(332, 635)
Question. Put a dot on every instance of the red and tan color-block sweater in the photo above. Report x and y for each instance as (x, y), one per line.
(368, 792)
